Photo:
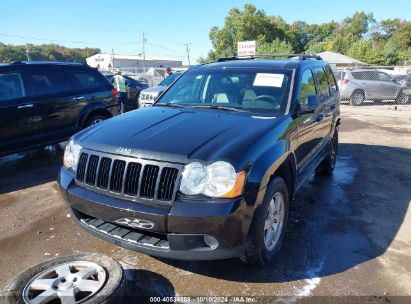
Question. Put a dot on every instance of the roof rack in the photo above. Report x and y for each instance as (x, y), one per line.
(46, 62)
(288, 56)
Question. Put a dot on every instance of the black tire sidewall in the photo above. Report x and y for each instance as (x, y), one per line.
(111, 290)
(259, 254)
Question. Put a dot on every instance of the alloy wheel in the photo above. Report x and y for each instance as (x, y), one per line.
(274, 221)
(71, 283)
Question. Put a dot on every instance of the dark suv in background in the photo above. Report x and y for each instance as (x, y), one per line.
(43, 103)
(207, 172)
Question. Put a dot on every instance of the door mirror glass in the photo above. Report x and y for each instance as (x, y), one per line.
(311, 103)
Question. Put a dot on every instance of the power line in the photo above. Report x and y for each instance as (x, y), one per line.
(164, 48)
(67, 41)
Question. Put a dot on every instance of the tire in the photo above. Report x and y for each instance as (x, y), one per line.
(259, 252)
(357, 98)
(94, 119)
(402, 98)
(326, 167)
(108, 293)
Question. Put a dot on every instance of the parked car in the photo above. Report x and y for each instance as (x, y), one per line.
(43, 103)
(404, 80)
(366, 84)
(135, 87)
(148, 96)
(207, 172)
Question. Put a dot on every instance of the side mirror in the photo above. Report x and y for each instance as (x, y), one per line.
(312, 103)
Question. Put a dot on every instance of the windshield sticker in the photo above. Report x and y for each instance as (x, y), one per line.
(268, 80)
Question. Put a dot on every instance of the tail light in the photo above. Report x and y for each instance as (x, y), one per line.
(115, 92)
(345, 81)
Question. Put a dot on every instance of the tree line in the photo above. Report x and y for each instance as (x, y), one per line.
(361, 36)
(10, 53)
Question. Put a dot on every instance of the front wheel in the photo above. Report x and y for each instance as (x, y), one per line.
(269, 227)
(402, 98)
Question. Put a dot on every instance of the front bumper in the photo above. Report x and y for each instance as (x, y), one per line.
(178, 231)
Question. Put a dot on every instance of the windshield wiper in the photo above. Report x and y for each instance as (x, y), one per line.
(219, 108)
(169, 104)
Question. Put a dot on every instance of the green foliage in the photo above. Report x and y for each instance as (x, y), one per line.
(10, 53)
(276, 46)
(360, 36)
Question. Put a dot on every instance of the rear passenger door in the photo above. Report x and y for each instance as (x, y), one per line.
(327, 102)
(54, 95)
(18, 114)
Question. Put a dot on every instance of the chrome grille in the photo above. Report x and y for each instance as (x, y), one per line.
(128, 178)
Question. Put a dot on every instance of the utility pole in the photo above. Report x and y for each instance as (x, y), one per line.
(187, 45)
(28, 54)
(144, 52)
(112, 58)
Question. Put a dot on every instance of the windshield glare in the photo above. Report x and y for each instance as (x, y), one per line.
(251, 90)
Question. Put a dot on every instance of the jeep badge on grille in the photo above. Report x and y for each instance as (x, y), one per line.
(123, 150)
(136, 223)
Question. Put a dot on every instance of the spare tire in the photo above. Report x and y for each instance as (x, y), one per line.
(80, 278)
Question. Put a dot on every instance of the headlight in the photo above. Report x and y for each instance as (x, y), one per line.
(218, 179)
(194, 179)
(71, 155)
(221, 179)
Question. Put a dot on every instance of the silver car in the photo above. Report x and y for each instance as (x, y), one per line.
(364, 84)
(148, 96)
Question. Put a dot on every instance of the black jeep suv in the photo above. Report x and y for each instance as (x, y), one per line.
(208, 172)
(43, 103)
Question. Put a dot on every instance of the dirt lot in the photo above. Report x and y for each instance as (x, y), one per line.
(348, 235)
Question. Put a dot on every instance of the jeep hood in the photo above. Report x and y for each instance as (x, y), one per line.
(177, 134)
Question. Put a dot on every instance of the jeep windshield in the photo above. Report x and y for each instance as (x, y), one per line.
(251, 90)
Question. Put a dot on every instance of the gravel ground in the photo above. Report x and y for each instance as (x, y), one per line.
(348, 235)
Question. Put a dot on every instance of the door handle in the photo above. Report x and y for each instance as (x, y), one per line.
(319, 117)
(78, 98)
(30, 105)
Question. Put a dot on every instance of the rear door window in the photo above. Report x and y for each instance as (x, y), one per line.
(11, 86)
(321, 83)
(87, 80)
(50, 82)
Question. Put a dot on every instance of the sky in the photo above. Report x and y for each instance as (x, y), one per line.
(168, 25)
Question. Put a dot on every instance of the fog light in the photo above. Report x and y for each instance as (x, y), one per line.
(211, 241)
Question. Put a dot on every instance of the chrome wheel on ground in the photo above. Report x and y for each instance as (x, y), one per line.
(80, 278)
(72, 282)
(274, 222)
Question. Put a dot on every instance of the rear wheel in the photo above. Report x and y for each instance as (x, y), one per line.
(269, 227)
(402, 98)
(326, 167)
(357, 98)
(94, 119)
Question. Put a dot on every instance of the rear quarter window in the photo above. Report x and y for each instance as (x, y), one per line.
(88, 80)
(331, 80)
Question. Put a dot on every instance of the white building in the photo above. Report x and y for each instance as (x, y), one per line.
(110, 61)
